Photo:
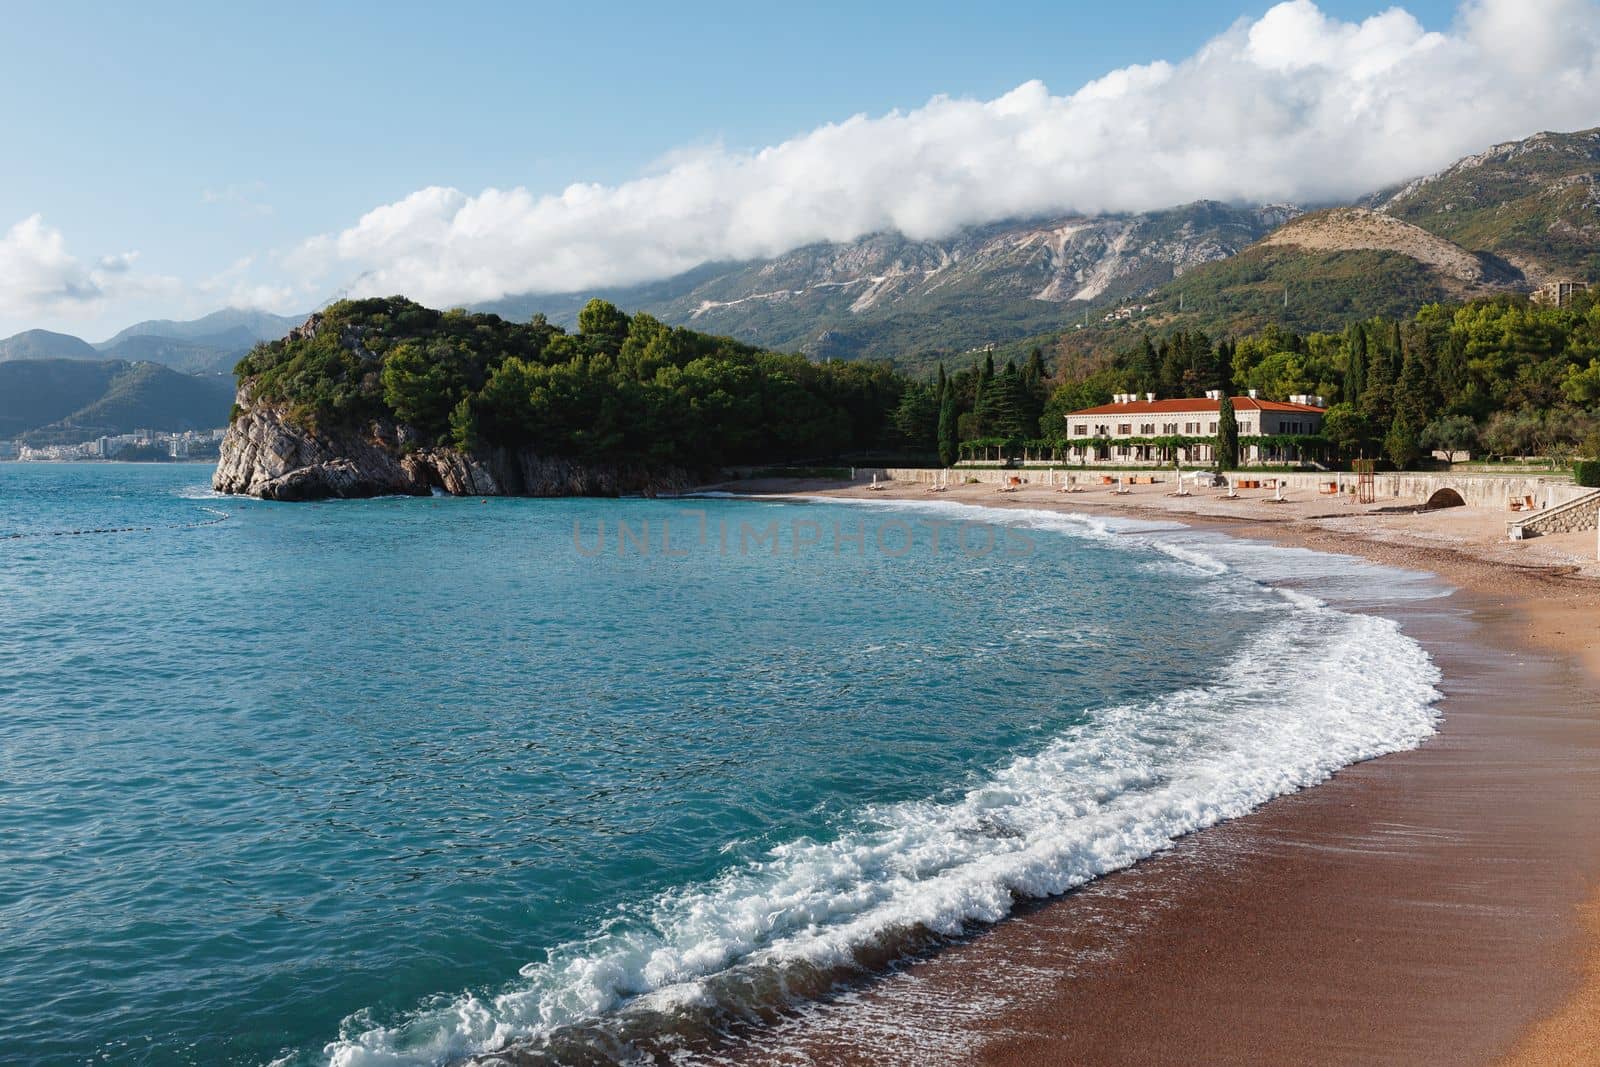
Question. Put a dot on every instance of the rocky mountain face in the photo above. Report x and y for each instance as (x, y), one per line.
(1533, 204)
(1508, 218)
(886, 295)
(1464, 273)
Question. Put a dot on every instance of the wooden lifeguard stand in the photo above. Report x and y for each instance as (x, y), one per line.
(1366, 487)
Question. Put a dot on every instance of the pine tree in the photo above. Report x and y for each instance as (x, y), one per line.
(1413, 393)
(1227, 435)
(982, 398)
(1377, 394)
(949, 438)
(1035, 393)
(1006, 405)
(1146, 367)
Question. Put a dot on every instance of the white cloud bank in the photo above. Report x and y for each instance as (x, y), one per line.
(1294, 106)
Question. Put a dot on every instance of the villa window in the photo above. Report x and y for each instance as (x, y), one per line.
(1080, 430)
(1124, 429)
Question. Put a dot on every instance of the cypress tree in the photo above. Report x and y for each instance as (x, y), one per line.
(1227, 435)
(1401, 443)
(949, 438)
(1033, 371)
(1355, 378)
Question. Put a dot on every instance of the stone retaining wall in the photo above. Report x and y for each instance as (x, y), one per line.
(1582, 513)
(1477, 490)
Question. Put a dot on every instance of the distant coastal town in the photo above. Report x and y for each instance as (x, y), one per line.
(141, 446)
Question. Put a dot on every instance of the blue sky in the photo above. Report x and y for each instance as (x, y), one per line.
(203, 136)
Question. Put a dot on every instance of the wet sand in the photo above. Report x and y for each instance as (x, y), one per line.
(1436, 906)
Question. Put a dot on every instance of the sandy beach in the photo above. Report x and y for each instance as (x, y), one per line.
(1440, 905)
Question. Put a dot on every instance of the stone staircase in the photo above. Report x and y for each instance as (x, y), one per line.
(1580, 513)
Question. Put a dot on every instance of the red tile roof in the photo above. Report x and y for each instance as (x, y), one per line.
(1194, 405)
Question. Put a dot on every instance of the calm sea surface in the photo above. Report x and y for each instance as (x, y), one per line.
(405, 780)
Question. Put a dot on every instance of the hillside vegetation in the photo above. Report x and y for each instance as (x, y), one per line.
(43, 344)
(1495, 375)
(66, 400)
(620, 388)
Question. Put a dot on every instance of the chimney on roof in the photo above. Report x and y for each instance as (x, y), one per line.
(1252, 394)
(1213, 394)
(1320, 403)
(1150, 397)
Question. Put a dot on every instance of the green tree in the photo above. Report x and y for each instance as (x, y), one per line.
(1451, 433)
(1401, 444)
(601, 321)
(1582, 384)
(1227, 435)
(1348, 429)
(917, 416)
(1006, 405)
(949, 439)
(1355, 378)
(983, 398)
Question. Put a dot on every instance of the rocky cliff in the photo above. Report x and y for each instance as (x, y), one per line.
(886, 295)
(266, 455)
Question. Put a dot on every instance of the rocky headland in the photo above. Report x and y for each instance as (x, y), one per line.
(266, 455)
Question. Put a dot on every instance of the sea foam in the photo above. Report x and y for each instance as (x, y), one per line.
(1319, 690)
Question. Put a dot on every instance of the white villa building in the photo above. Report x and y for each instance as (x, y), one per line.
(1128, 430)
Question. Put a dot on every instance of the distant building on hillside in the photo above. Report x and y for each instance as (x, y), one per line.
(1143, 430)
(1558, 294)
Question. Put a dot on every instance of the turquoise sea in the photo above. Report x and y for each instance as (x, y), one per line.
(410, 780)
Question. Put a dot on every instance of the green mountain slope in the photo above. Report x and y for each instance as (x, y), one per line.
(258, 325)
(1534, 203)
(208, 354)
(37, 392)
(43, 344)
(63, 401)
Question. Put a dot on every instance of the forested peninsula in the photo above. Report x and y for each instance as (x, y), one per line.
(383, 396)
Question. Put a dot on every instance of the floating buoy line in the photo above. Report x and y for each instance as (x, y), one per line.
(217, 516)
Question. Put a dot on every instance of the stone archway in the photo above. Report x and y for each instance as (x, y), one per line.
(1444, 498)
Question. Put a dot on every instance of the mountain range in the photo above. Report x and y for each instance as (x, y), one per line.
(1506, 219)
(208, 345)
(65, 401)
(59, 389)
